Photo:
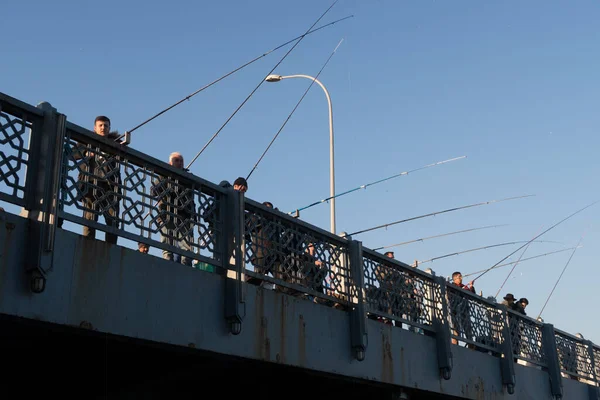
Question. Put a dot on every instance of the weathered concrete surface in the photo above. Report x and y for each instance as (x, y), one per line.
(111, 289)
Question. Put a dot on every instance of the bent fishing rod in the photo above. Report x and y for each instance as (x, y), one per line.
(258, 86)
(293, 110)
(537, 236)
(188, 97)
(297, 211)
(514, 262)
(480, 248)
(436, 236)
(437, 213)
(560, 276)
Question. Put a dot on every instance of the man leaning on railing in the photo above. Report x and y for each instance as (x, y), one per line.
(99, 183)
(176, 212)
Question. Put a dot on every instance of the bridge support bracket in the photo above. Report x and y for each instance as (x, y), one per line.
(358, 322)
(442, 333)
(507, 366)
(549, 346)
(41, 197)
(234, 246)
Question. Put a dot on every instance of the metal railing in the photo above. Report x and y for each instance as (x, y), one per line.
(140, 198)
(106, 186)
(17, 119)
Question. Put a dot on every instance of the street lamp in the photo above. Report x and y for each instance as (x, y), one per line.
(277, 78)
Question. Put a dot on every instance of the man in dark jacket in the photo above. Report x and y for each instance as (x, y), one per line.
(99, 183)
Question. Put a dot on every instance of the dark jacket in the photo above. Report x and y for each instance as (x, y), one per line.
(100, 170)
(174, 199)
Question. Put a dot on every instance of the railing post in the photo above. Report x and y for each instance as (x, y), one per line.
(549, 346)
(233, 260)
(594, 392)
(507, 364)
(442, 331)
(358, 315)
(43, 177)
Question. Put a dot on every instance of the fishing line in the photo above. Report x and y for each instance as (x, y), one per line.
(561, 274)
(552, 227)
(436, 236)
(437, 213)
(525, 259)
(294, 110)
(231, 73)
(256, 88)
(374, 183)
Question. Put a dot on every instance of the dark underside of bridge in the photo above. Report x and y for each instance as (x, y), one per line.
(40, 359)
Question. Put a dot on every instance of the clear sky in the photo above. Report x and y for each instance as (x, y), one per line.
(512, 85)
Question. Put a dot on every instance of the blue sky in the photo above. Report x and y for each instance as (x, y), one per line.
(512, 85)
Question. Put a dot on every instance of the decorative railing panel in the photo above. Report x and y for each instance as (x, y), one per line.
(394, 291)
(16, 123)
(475, 321)
(140, 196)
(526, 336)
(573, 356)
(298, 258)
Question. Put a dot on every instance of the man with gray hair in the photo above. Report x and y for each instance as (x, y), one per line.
(177, 212)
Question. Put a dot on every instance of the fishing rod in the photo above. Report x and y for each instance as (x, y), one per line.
(512, 269)
(437, 236)
(127, 133)
(561, 274)
(480, 248)
(438, 212)
(525, 259)
(374, 183)
(258, 86)
(294, 110)
(552, 227)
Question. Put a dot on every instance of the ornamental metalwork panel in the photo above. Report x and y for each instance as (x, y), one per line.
(15, 130)
(573, 356)
(132, 195)
(473, 320)
(526, 337)
(299, 260)
(395, 293)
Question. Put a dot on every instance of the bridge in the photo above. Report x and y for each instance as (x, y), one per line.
(270, 304)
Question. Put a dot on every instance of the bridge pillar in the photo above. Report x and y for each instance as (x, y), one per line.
(549, 346)
(43, 179)
(507, 364)
(233, 260)
(442, 331)
(358, 322)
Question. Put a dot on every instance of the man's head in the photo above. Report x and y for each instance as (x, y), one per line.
(176, 160)
(143, 248)
(510, 299)
(457, 278)
(102, 125)
(268, 204)
(389, 254)
(523, 302)
(240, 184)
